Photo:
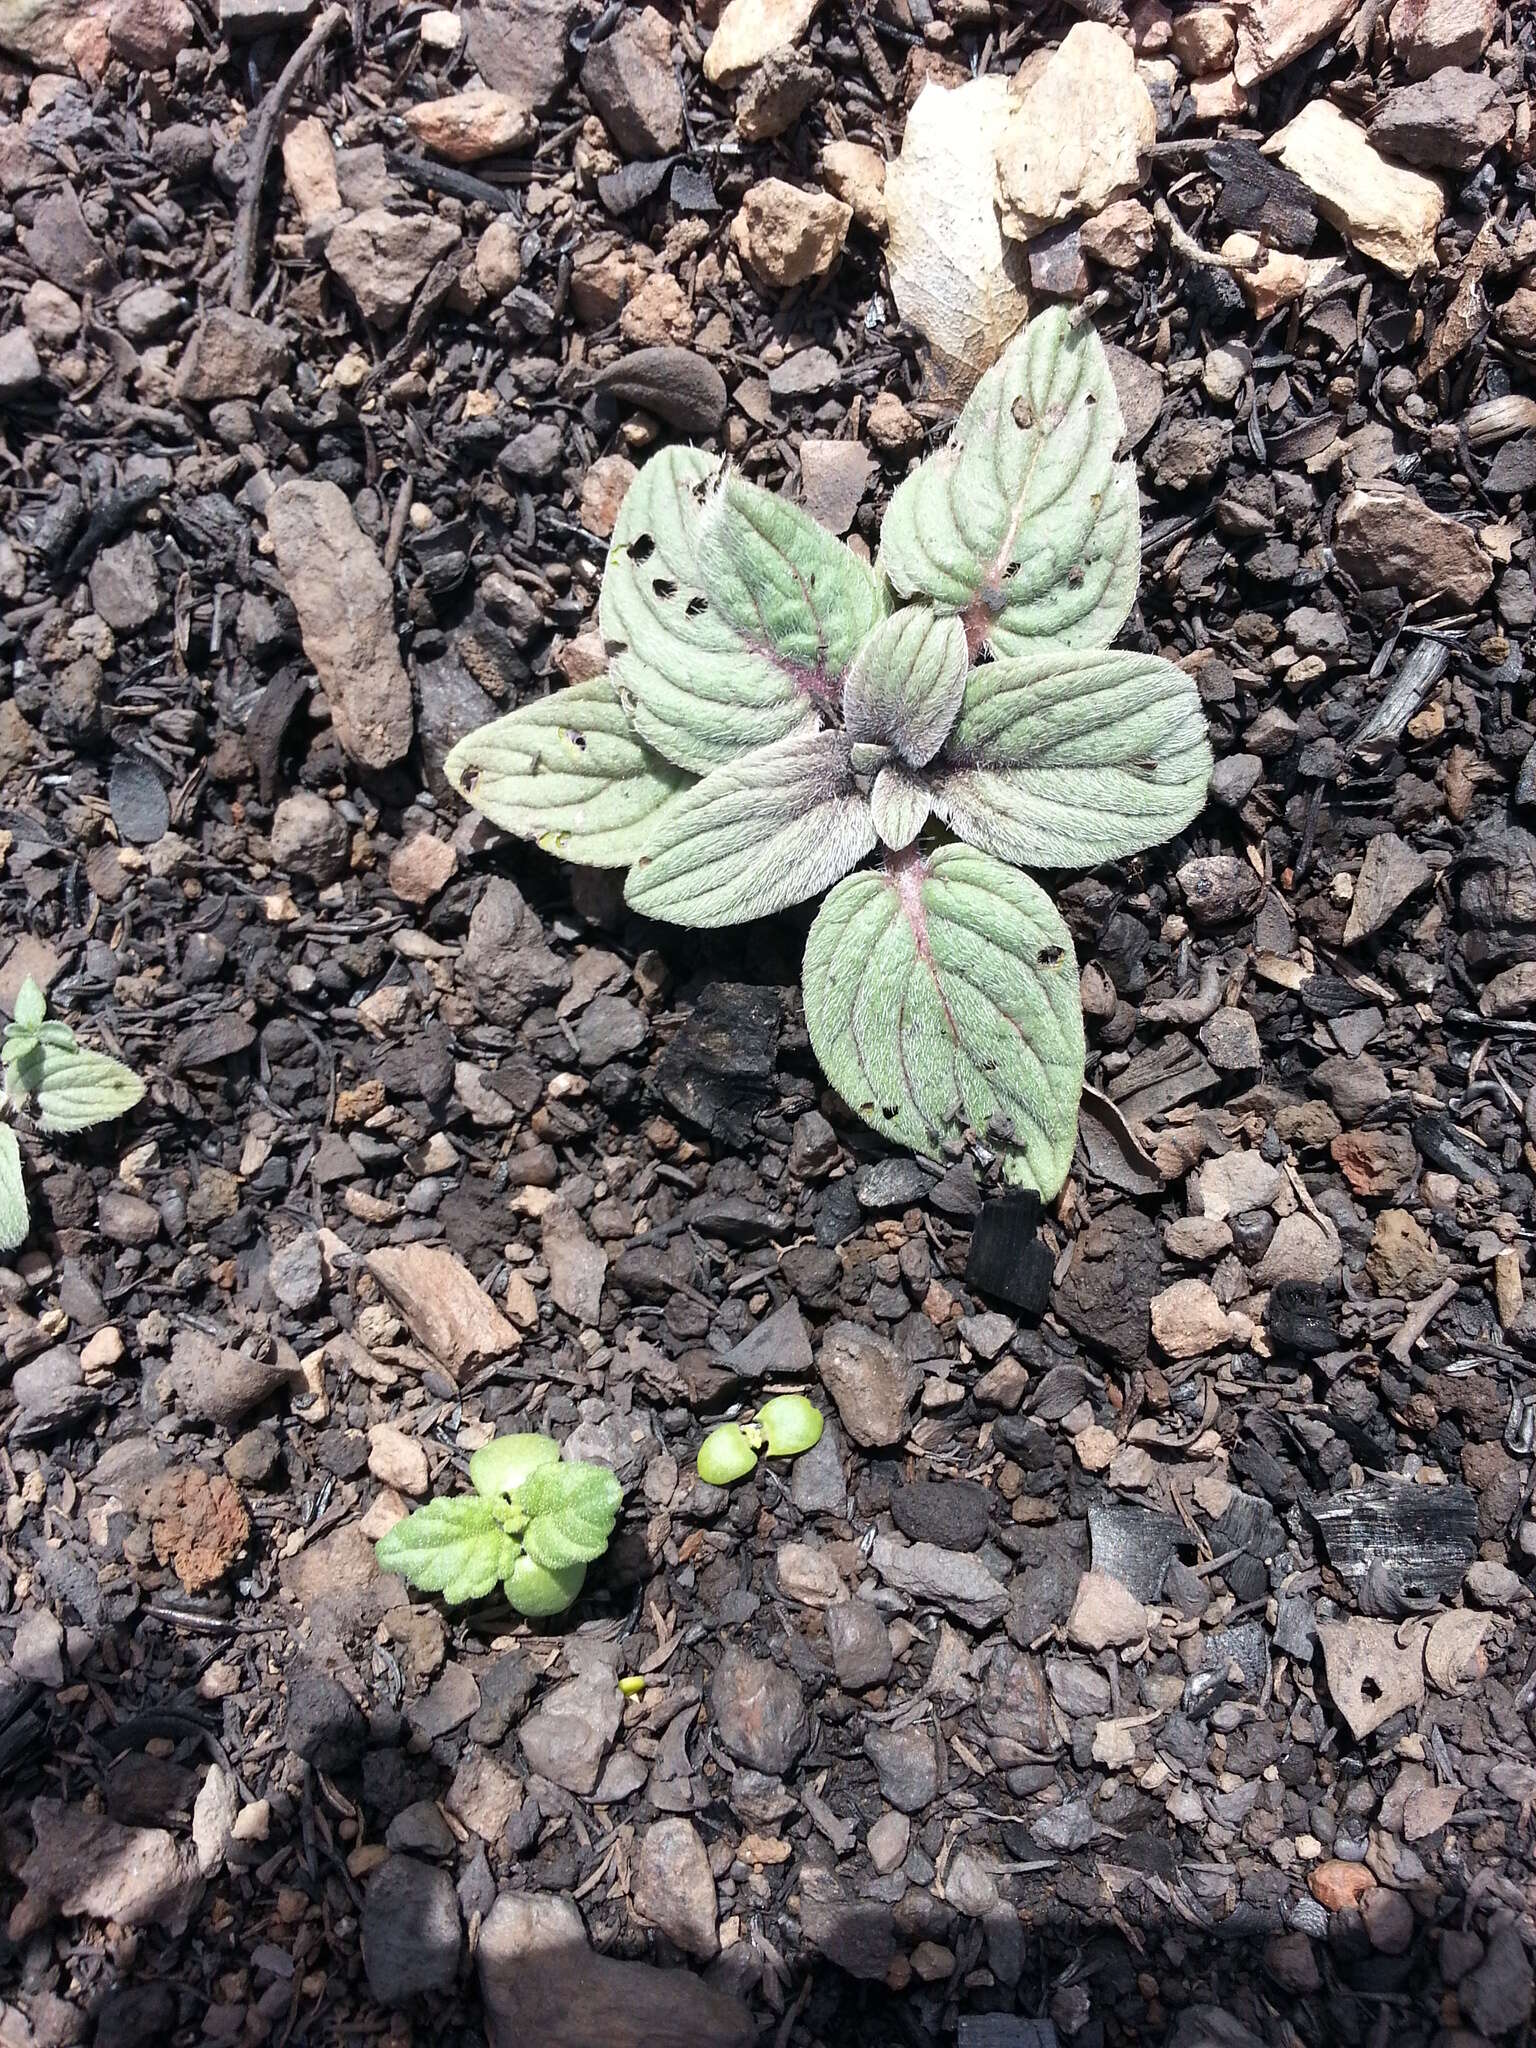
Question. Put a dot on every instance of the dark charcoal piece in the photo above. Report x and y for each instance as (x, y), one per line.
(1250, 1524)
(1004, 2030)
(1008, 1261)
(141, 810)
(1135, 1546)
(1262, 197)
(1105, 1297)
(1301, 1319)
(949, 1512)
(1329, 995)
(1421, 1537)
(1449, 1150)
(718, 1071)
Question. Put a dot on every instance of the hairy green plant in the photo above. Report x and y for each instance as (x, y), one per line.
(783, 1427)
(776, 710)
(56, 1083)
(532, 1526)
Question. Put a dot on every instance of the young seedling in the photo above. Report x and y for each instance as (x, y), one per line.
(532, 1526)
(776, 710)
(56, 1083)
(783, 1427)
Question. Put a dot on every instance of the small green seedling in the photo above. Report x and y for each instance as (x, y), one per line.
(58, 1083)
(783, 1427)
(776, 710)
(532, 1526)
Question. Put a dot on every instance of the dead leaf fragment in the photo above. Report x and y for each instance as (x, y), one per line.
(1453, 1655)
(953, 276)
(1371, 1675)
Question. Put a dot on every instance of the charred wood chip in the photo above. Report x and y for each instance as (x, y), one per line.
(1262, 197)
(1008, 1260)
(1301, 1319)
(719, 1069)
(1422, 1537)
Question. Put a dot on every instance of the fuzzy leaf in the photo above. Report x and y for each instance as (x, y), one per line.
(899, 804)
(906, 682)
(501, 1466)
(31, 1007)
(569, 773)
(571, 1509)
(454, 1546)
(942, 994)
(708, 664)
(1024, 523)
(77, 1088)
(1063, 759)
(755, 836)
(538, 1592)
(13, 1193)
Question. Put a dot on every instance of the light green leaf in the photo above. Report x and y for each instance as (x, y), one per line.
(941, 995)
(569, 773)
(571, 1509)
(1024, 523)
(501, 1466)
(719, 641)
(13, 1193)
(454, 1546)
(792, 589)
(538, 1592)
(31, 1006)
(77, 1088)
(1062, 759)
(905, 685)
(899, 804)
(791, 1425)
(753, 837)
(725, 1455)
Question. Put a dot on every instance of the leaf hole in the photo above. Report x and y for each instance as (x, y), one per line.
(697, 607)
(663, 586)
(887, 1111)
(1090, 398)
(1023, 415)
(576, 739)
(1048, 956)
(1075, 577)
(468, 780)
(641, 548)
(1369, 1689)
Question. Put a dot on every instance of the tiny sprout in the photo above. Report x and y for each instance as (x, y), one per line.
(784, 1427)
(632, 1686)
(533, 1524)
(46, 1077)
(725, 1454)
(791, 1424)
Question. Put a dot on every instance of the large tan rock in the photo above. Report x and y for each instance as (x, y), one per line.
(855, 173)
(383, 259)
(1389, 213)
(447, 1310)
(309, 167)
(1274, 33)
(1387, 535)
(749, 31)
(1427, 34)
(1079, 133)
(346, 618)
(467, 127)
(789, 235)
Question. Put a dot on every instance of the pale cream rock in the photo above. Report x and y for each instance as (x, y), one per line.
(1119, 236)
(1273, 33)
(468, 126)
(749, 31)
(1270, 278)
(309, 166)
(440, 29)
(1204, 40)
(1390, 214)
(953, 275)
(1218, 99)
(1105, 1614)
(1080, 133)
(1188, 1321)
(855, 173)
(499, 256)
(788, 235)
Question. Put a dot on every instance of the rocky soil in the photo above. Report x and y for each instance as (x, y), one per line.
(1145, 1654)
